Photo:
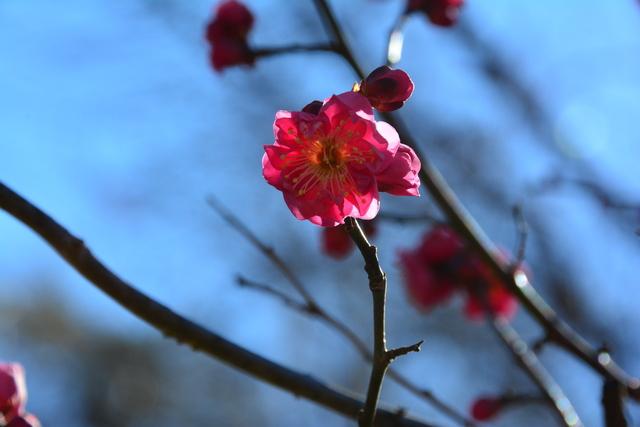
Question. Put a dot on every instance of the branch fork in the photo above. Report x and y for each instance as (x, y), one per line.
(382, 357)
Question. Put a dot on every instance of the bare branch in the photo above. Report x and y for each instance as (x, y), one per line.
(466, 226)
(382, 357)
(183, 330)
(312, 307)
(530, 364)
(318, 313)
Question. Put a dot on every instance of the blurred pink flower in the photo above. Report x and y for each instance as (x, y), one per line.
(328, 164)
(26, 420)
(441, 266)
(13, 390)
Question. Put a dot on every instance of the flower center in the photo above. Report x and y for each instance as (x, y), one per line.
(329, 157)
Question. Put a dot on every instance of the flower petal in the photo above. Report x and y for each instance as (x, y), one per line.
(401, 176)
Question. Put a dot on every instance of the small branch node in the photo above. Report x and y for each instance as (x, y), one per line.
(392, 354)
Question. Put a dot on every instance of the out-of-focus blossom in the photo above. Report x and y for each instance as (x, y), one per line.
(227, 34)
(337, 243)
(440, 12)
(441, 266)
(485, 408)
(481, 279)
(26, 420)
(327, 165)
(387, 89)
(13, 391)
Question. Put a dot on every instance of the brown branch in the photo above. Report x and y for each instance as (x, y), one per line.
(382, 357)
(311, 307)
(358, 344)
(183, 330)
(561, 333)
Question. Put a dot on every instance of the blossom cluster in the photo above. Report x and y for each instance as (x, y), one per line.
(13, 397)
(332, 159)
(441, 266)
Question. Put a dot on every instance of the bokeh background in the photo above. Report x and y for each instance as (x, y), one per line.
(112, 121)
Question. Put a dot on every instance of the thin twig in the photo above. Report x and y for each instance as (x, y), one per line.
(183, 330)
(382, 357)
(312, 307)
(404, 219)
(268, 251)
(561, 333)
(522, 228)
(358, 344)
(293, 48)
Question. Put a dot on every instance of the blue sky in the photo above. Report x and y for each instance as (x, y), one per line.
(112, 121)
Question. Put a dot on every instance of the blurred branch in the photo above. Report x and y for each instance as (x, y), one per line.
(311, 307)
(294, 48)
(268, 251)
(530, 364)
(403, 219)
(171, 324)
(554, 180)
(522, 228)
(395, 42)
(466, 226)
(382, 357)
(612, 402)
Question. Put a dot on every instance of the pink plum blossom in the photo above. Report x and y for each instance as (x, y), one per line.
(331, 165)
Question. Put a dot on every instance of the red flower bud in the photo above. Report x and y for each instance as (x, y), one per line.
(313, 107)
(387, 89)
(440, 12)
(485, 408)
(227, 34)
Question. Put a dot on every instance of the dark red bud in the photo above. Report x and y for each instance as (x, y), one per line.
(313, 107)
(387, 89)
